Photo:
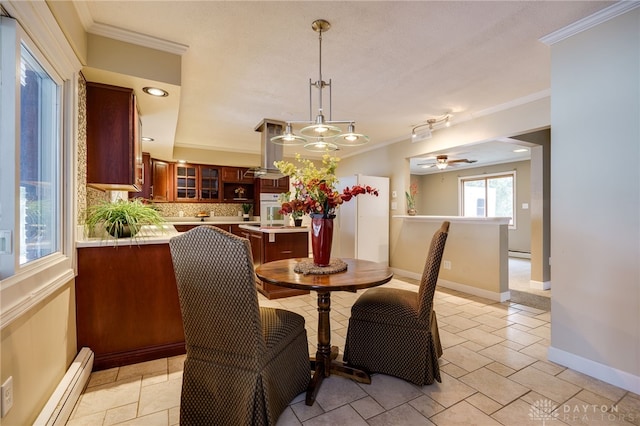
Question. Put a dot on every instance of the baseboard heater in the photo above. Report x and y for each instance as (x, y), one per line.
(59, 407)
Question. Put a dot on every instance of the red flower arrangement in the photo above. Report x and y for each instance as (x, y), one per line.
(314, 189)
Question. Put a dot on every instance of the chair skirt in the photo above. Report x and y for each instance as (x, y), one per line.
(385, 336)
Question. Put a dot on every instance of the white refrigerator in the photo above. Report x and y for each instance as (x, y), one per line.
(361, 227)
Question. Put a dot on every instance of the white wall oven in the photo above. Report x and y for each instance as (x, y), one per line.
(270, 210)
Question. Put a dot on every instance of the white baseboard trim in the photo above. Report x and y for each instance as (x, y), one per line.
(540, 285)
(607, 374)
(61, 403)
(499, 297)
(491, 295)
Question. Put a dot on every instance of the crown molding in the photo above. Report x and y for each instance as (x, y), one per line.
(591, 21)
(137, 38)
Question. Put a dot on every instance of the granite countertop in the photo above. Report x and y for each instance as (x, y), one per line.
(275, 229)
(147, 235)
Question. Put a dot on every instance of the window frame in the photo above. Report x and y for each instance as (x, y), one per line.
(486, 177)
(29, 284)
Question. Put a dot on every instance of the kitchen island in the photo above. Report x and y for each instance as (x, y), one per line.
(269, 243)
(127, 308)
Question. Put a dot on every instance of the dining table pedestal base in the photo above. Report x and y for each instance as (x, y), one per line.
(328, 366)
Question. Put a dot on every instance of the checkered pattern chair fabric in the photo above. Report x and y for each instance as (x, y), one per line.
(244, 363)
(394, 331)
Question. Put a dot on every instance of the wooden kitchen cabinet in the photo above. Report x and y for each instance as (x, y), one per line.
(194, 182)
(267, 247)
(161, 180)
(126, 314)
(235, 175)
(114, 148)
(273, 185)
(147, 178)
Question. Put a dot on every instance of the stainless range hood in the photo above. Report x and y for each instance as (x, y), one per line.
(270, 151)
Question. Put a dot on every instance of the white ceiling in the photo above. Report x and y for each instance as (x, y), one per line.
(392, 64)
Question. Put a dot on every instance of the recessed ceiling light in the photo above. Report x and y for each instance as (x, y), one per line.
(520, 150)
(182, 161)
(154, 91)
(147, 139)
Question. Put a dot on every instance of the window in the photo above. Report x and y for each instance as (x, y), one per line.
(489, 196)
(39, 217)
(37, 131)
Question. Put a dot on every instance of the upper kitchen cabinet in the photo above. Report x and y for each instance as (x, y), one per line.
(236, 175)
(235, 186)
(195, 182)
(273, 185)
(114, 156)
(147, 178)
(161, 180)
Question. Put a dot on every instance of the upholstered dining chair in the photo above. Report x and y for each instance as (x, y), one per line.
(244, 363)
(394, 331)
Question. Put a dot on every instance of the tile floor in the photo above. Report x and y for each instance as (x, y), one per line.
(494, 372)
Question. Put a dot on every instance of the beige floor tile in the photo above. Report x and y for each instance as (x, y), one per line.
(390, 391)
(174, 416)
(549, 386)
(426, 406)
(367, 407)
(111, 395)
(89, 420)
(520, 413)
(508, 357)
(484, 403)
(537, 350)
(629, 407)
(121, 414)
(463, 414)
(453, 370)
(480, 337)
(161, 418)
(594, 385)
(448, 339)
(402, 415)
(143, 368)
(344, 415)
(449, 392)
(102, 377)
(549, 367)
(526, 321)
(495, 386)
(465, 358)
(512, 334)
(336, 391)
(501, 369)
(159, 397)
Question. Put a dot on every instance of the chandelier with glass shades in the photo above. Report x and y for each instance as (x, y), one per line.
(320, 135)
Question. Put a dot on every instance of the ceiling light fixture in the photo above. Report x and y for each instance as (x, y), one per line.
(324, 134)
(423, 131)
(155, 91)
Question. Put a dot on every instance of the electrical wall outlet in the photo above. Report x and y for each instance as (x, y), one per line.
(7, 396)
(446, 264)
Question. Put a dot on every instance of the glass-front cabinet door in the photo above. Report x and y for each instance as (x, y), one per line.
(209, 183)
(186, 182)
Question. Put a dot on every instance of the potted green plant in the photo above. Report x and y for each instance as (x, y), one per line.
(122, 218)
(246, 208)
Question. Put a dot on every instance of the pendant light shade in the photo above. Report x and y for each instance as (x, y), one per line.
(326, 133)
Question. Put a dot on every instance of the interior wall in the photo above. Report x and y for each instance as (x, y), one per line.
(438, 195)
(595, 216)
(392, 160)
(36, 350)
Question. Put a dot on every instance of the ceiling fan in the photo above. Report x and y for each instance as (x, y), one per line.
(442, 162)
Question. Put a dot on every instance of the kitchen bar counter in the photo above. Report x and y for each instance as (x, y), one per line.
(274, 229)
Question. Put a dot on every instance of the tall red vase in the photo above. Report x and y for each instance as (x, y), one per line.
(321, 239)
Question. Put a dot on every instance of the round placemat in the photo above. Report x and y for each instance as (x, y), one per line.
(307, 267)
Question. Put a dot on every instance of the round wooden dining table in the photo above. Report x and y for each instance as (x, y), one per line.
(360, 274)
